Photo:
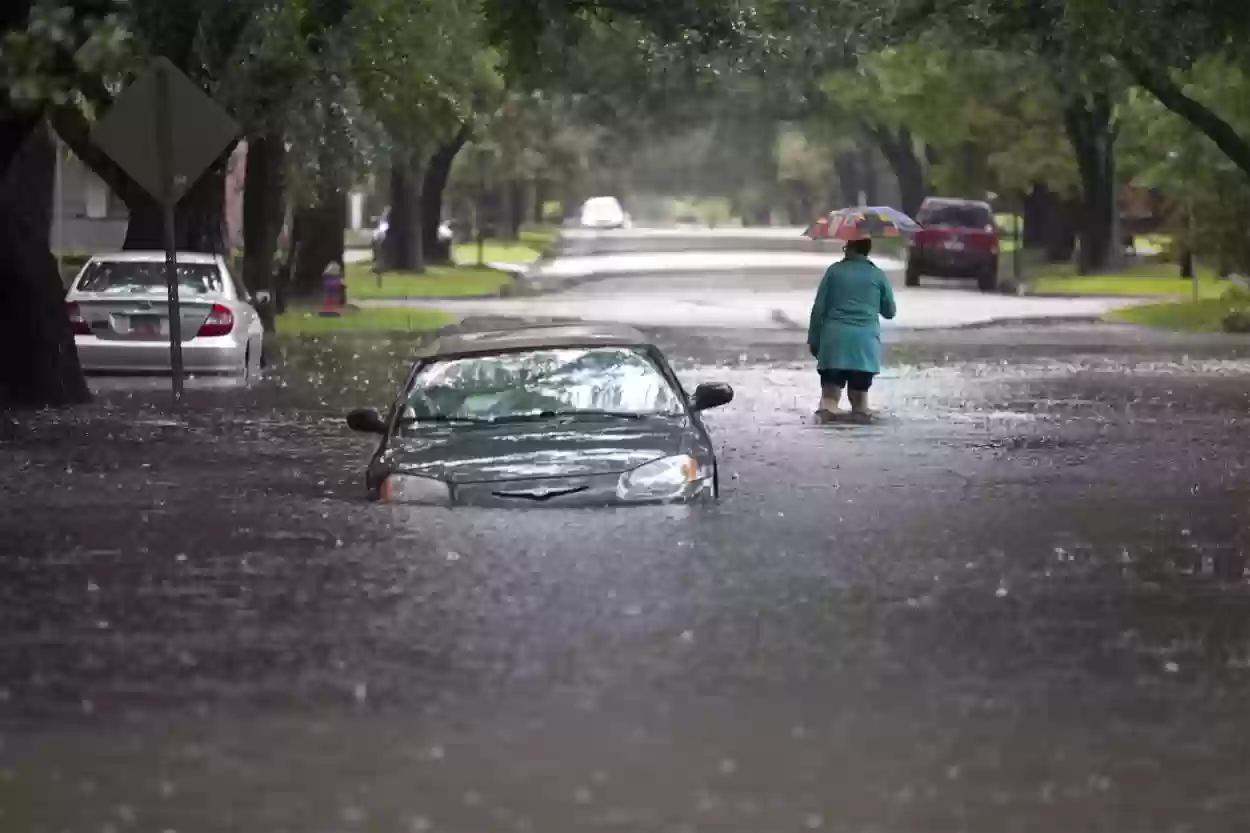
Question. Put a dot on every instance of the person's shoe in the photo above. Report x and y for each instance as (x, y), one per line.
(861, 416)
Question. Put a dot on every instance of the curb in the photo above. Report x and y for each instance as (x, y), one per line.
(1026, 320)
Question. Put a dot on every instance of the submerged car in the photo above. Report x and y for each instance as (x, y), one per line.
(558, 415)
(118, 307)
(959, 239)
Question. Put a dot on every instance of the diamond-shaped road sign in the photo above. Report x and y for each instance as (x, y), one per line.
(163, 119)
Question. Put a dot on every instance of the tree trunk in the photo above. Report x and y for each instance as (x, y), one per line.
(317, 240)
(899, 150)
(1087, 121)
(263, 200)
(433, 186)
(872, 183)
(846, 167)
(1049, 224)
(517, 192)
(501, 198)
(403, 235)
(41, 366)
(541, 191)
(199, 218)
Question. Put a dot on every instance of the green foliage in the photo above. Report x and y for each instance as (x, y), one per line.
(1164, 152)
(419, 68)
(62, 50)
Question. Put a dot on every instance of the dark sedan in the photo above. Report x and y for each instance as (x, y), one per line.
(564, 415)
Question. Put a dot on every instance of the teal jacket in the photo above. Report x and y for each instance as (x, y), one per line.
(845, 332)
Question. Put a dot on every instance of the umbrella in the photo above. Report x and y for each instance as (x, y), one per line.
(865, 221)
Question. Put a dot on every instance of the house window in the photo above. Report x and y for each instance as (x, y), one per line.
(96, 198)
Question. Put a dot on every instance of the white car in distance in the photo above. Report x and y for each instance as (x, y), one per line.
(118, 307)
(604, 213)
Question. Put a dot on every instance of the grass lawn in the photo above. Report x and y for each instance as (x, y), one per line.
(495, 251)
(306, 322)
(528, 246)
(435, 282)
(1139, 279)
(1203, 316)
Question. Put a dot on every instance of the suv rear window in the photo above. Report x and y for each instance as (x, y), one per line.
(954, 216)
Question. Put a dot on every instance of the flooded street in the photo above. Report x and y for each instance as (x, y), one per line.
(1014, 603)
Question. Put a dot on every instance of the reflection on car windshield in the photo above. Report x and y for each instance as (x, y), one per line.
(139, 276)
(612, 380)
(954, 216)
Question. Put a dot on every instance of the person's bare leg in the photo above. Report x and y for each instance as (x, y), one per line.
(859, 401)
(830, 398)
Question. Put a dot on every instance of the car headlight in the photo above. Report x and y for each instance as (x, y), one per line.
(409, 488)
(669, 478)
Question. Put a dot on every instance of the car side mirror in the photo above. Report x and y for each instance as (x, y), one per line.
(711, 395)
(366, 421)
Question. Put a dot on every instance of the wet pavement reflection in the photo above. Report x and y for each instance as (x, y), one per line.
(1014, 603)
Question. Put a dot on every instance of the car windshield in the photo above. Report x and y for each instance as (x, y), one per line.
(954, 216)
(618, 381)
(126, 277)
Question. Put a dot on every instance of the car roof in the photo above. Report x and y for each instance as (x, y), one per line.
(954, 201)
(535, 337)
(153, 257)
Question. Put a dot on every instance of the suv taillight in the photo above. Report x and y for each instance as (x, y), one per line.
(76, 321)
(220, 322)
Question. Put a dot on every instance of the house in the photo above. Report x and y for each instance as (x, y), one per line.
(89, 217)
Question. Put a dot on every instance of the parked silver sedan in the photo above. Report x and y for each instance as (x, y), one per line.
(120, 313)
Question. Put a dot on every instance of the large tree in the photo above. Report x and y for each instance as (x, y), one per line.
(45, 54)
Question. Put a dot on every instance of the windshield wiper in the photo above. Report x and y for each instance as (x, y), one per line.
(402, 421)
(574, 413)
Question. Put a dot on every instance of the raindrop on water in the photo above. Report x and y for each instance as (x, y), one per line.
(813, 821)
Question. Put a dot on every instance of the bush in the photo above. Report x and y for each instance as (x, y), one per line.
(1237, 321)
(1236, 293)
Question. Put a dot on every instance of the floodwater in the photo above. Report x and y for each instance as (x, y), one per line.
(1014, 603)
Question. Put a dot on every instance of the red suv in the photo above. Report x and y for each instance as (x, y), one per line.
(959, 240)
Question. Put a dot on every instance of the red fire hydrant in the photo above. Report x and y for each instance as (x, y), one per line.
(333, 291)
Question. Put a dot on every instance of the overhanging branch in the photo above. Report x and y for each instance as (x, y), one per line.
(1159, 83)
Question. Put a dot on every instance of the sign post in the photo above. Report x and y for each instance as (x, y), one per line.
(164, 132)
(165, 171)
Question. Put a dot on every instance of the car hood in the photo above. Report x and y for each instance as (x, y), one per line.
(534, 450)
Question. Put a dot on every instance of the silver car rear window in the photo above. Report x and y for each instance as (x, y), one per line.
(142, 276)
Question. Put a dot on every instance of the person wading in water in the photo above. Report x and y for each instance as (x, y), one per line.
(845, 330)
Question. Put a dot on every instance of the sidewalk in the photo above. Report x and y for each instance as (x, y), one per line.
(571, 268)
